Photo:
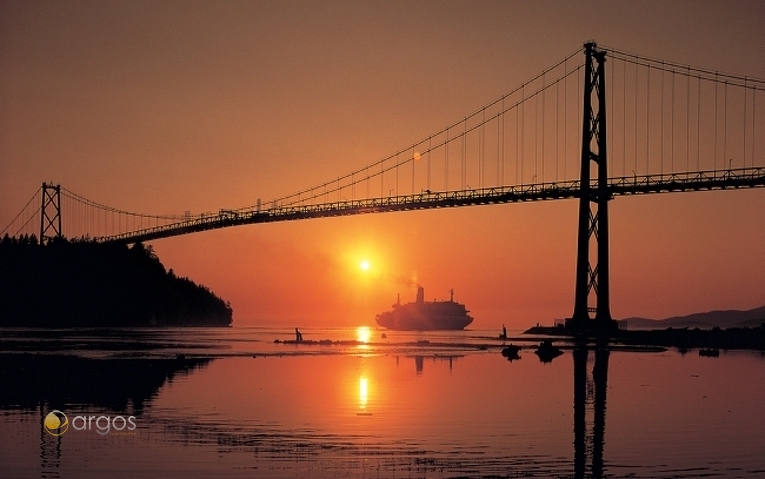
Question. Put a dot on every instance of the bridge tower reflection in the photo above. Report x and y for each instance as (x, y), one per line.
(590, 398)
(50, 449)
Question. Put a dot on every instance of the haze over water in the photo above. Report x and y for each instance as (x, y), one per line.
(232, 403)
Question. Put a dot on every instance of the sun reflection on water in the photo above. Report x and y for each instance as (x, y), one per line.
(363, 333)
(363, 393)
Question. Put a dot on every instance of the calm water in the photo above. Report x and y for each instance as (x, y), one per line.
(232, 403)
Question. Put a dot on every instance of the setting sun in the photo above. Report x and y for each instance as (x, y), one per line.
(365, 265)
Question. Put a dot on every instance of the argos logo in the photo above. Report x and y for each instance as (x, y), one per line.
(56, 423)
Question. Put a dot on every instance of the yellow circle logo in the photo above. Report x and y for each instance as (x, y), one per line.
(56, 423)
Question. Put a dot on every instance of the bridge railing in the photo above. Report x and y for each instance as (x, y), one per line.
(688, 181)
(624, 185)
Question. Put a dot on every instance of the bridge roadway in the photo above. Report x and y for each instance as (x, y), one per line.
(618, 186)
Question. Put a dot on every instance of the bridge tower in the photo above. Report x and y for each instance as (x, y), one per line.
(50, 213)
(592, 273)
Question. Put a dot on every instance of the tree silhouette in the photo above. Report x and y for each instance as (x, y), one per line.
(81, 283)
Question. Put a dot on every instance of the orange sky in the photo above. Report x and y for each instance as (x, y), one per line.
(163, 107)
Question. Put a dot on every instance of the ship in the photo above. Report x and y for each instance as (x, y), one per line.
(425, 316)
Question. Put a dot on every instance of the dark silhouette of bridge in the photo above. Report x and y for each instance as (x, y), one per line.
(661, 126)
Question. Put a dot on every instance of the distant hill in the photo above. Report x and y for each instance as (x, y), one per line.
(711, 319)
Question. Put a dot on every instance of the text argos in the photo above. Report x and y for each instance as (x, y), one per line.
(56, 423)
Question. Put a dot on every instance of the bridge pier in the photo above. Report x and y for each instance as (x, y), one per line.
(592, 277)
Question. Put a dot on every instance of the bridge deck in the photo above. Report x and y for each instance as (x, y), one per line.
(618, 186)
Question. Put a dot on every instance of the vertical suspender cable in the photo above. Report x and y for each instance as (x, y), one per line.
(501, 146)
(647, 129)
(538, 129)
(698, 126)
(661, 111)
(672, 128)
(725, 124)
(414, 154)
(754, 124)
(523, 125)
(714, 158)
(517, 142)
(611, 115)
(542, 153)
(480, 156)
(463, 159)
(636, 118)
(557, 132)
(624, 118)
(430, 149)
(744, 154)
(688, 121)
(446, 162)
(482, 149)
(536, 137)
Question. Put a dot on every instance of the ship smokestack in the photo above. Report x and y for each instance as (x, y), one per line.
(420, 294)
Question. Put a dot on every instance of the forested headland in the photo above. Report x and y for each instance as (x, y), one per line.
(81, 283)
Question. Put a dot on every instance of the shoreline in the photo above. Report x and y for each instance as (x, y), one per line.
(680, 338)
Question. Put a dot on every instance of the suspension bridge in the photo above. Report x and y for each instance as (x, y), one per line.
(598, 124)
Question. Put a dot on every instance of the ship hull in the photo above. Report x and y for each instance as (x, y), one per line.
(446, 316)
